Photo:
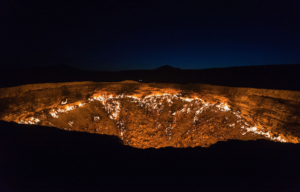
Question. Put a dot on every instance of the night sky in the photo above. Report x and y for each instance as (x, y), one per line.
(138, 34)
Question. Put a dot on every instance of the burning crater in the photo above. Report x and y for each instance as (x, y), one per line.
(157, 115)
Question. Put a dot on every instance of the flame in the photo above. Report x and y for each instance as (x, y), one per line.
(69, 108)
(267, 134)
(96, 118)
(53, 113)
(31, 121)
(226, 107)
(64, 102)
(71, 123)
(195, 107)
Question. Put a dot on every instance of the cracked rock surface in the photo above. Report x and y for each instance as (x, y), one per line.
(157, 115)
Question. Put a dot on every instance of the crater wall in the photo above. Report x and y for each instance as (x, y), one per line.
(157, 115)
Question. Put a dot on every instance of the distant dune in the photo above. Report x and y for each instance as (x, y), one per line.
(280, 77)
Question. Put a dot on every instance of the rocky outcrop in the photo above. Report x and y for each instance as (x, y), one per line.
(157, 115)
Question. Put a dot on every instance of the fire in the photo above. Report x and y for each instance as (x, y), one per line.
(226, 107)
(64, 102)
(96, 118)
(223, 107)
(31, 121)
(267, 134)
(188, 99)
(154, 102)
(71, 123)
(54, 113)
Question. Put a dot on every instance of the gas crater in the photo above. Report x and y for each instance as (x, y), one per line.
(157, 115)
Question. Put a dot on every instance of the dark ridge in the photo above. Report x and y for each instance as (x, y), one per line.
(167, 68)
(280, 77)
(36, 158)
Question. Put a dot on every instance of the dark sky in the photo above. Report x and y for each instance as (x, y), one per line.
(146, 34)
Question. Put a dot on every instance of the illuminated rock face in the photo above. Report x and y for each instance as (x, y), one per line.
(157, 115)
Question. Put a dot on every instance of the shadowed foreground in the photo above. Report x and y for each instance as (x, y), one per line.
(36, 158)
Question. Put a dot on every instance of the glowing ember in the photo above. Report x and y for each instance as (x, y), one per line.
(64, 102)
(31, 121)
(96, 118)
(267, 134)
(159, 115)
(54, 113)
(71, 123)
(195, 109)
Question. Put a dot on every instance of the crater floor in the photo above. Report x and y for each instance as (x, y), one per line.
(141, 115)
